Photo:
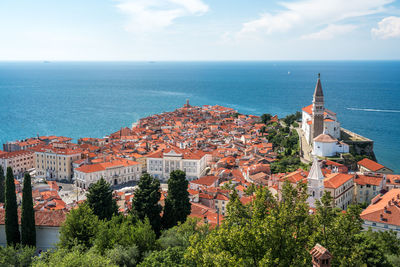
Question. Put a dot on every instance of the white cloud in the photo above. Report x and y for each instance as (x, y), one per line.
(153, 15)
(387, 28)
(312, 13)
(330, 32)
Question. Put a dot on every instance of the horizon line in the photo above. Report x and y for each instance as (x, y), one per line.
(189, 60)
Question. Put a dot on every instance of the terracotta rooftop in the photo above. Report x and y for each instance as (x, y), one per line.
(367, 179)
(51, 218)
(370, 164)
(106, 165)
(335, 180)
(205, 180)
(384, 209)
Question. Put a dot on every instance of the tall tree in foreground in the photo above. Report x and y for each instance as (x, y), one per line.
(177, 205)
(11, 220)
(2, 184)
(28, 230)
(100, 200)
(145, 203)
(79, 228)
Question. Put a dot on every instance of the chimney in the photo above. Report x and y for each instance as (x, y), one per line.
(321, 257)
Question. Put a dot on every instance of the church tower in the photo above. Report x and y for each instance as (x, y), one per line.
(318, 109)
(315, 181)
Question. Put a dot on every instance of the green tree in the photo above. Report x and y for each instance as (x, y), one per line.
(126, 232)
(145, 202)
(171, 257)
(236, 212)
(28, 230)
(100, 200)
(72, 258)
(179, 236)
(124, 256)
(79, 228)
(16, 256)
(2, 185)
(277, 238)
(177, 205)
(265, 118)
(11, 220)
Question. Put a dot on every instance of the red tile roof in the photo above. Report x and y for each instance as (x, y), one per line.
(366, 179)
(105, 165)
(205, 180)
(335, 180)
(386, 208)
(370, 164)
(51, 218)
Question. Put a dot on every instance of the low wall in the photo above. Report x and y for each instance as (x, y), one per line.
(359, 145)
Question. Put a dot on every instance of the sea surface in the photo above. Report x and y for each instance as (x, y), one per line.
(93, 99)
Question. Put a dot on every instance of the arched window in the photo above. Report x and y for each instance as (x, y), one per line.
(313, 193)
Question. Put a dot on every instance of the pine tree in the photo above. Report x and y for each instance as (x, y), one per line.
(145, 203)
(28, 230)
(100, 200)
(177, 205)
(2, 185)
(11, 220)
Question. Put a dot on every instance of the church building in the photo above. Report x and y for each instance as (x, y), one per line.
(321, 127)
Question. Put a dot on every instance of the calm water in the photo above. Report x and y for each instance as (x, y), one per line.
(95, 99)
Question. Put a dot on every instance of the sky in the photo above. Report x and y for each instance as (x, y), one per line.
(184, 30)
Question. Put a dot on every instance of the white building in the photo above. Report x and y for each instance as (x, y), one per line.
(326, 122)
(325, 145)
(48, 225)
(161, 163)
(315, 181)
(115, 172)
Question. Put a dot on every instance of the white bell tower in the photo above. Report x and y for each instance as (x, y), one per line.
(315, 183)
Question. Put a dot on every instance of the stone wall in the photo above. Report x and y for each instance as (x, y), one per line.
(359, 145)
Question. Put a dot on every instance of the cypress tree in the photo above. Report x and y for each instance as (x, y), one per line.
(2, 185)
(11, 220)
(145, 203)
(177, 205)
(100, 200)
(28, 230)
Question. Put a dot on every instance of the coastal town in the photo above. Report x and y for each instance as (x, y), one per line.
(219, 150)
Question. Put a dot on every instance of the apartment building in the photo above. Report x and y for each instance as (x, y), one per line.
(54, 161)
(115, 172)
(20, 161)
(341, 187)
(367, 186)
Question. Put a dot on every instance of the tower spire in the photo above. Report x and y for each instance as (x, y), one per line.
(318, 88)
(317, 110)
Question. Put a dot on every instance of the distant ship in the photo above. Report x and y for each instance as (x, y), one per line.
(45, 61)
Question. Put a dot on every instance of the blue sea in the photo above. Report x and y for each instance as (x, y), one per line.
(93, 99)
